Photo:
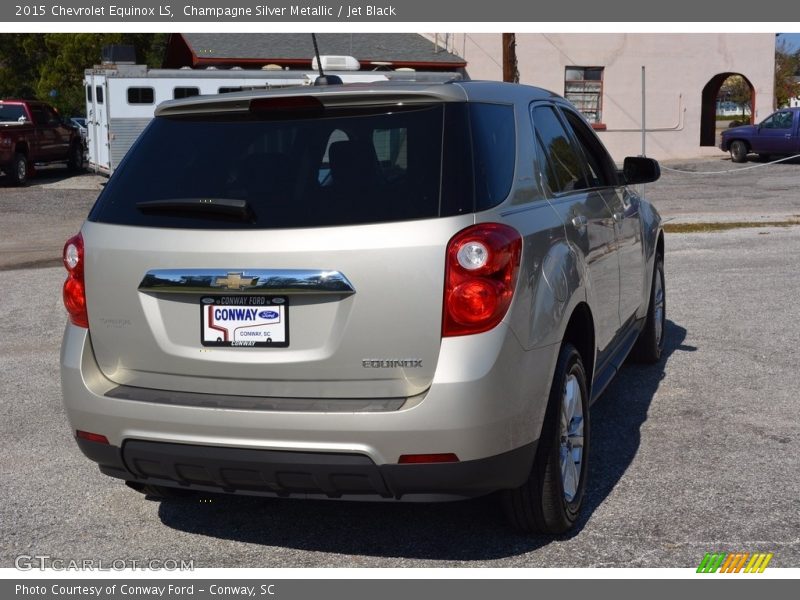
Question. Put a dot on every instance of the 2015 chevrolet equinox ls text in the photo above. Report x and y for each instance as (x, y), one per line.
(408, 291)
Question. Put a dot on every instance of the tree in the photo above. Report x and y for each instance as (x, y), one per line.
(21, 54)
(50, 66)
(787, 65)
(739, 91)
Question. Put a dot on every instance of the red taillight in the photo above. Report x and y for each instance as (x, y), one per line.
(480, 275)
(91, 437)
(416, 459)
(74, 289)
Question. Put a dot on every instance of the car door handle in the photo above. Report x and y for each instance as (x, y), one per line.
(788, 136)
(579, 222)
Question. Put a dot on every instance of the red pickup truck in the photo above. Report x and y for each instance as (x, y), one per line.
(32, 132)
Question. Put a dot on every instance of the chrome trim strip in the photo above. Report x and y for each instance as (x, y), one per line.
(245, 281)
(322, 405)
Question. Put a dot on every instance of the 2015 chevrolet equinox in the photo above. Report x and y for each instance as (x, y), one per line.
(409, 291)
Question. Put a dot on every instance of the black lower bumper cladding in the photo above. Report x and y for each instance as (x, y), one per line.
(286, 473)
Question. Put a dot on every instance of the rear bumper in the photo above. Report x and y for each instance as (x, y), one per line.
(308, 474)
(487, 412)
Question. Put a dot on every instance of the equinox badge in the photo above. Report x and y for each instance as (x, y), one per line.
(375, 363)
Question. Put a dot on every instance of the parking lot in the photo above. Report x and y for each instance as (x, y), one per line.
(696, 454)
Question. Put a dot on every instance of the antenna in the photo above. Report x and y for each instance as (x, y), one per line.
(323, 79)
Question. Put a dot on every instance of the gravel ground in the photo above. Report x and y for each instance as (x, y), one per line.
(754, 191)
(39, 218)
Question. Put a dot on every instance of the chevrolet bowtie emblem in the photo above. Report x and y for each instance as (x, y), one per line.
(235, 281)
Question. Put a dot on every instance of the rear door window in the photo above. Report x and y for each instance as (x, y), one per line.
(564, 168)
(38, 114)
(599, 166)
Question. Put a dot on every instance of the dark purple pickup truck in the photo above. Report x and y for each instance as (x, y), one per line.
(778, 134)
(32, 132)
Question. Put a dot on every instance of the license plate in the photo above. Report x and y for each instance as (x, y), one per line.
(244, 321)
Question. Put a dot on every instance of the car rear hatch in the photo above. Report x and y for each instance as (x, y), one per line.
(281, 246)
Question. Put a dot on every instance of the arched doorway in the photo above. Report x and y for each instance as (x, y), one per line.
(708, 112)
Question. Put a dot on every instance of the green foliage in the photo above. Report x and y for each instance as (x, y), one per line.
(740, 92)
(20, 57)
(787, 66)
(34, 64)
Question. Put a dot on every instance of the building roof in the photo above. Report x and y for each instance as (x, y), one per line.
(297, 49)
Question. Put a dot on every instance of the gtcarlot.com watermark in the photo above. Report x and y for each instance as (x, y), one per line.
(45, 562)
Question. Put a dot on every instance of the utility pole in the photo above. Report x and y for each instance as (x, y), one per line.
(510, 70)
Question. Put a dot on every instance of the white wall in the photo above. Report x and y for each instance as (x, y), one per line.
(678, 66)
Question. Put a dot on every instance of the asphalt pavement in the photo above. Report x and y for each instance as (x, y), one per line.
(696, 454)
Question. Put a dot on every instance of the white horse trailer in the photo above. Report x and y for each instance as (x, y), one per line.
(121, 99)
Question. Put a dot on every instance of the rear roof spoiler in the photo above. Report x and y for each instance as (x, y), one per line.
(371, 94)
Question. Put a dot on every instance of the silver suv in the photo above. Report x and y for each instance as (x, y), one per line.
(407, 291)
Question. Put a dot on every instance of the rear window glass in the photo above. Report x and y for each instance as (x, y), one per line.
(362, 166)
(11, 113)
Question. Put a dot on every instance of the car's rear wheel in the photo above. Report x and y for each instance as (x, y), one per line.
(550, 501)
(19, 169)
(75, 160)
(739, 151)
(650, 344)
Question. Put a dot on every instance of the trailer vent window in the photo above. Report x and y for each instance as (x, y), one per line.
(228, 90)
(140, 95)
(98, 93)
(185, 92)
(89, 94)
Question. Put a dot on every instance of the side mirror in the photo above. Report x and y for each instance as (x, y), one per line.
(638, 169)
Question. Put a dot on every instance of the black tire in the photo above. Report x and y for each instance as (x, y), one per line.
(650, 344)
(19, 169)
(739, 151)
(541, 504)
(75, 160)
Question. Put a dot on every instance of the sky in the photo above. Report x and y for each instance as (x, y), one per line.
(793, 39)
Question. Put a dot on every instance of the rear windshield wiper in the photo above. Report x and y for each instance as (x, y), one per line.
(229, 207)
